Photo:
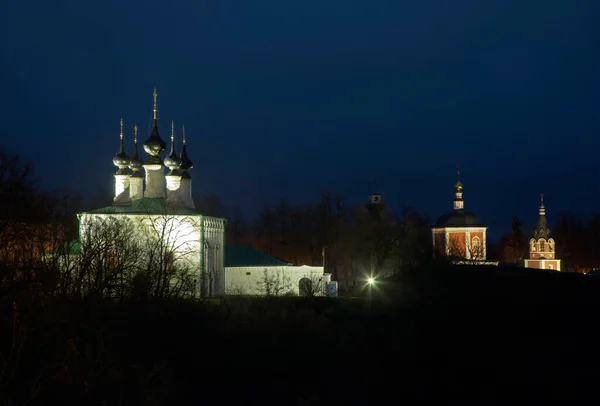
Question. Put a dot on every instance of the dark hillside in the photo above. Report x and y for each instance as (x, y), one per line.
(474, 336)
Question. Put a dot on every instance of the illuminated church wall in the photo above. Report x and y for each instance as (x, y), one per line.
(460, 233)
(157, 209)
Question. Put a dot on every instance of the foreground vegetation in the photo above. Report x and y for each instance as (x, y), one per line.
(456, 334)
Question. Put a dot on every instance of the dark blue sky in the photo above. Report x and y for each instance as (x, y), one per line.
(290, 98)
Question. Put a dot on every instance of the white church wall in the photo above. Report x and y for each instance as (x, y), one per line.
(214, 241)
(195, 241)
(252, 280)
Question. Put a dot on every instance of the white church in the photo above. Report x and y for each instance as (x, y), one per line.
(161, 204)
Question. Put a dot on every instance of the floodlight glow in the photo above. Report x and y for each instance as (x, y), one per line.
(371, 280)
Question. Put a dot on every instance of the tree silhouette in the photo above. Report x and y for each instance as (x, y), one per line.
(514, 245)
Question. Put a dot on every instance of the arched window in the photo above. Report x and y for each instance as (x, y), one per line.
(542, 245)
(476, 246)
(532, 242)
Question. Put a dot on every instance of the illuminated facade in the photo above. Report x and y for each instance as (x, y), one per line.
(458, 233)
(159, 210)
(542, 249)
(155, 207)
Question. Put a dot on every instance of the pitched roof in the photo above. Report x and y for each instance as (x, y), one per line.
(244, 255)
(458, 218)
(146, 205)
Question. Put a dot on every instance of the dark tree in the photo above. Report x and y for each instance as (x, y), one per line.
(514, 245)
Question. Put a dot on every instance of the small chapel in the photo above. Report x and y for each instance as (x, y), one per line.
(542, 249)
(460, 233)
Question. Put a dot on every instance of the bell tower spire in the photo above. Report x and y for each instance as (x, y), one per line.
(459, 203)
(541, 228)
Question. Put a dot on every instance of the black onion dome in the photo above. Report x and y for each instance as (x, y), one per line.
(173, 162)
(136, 162)
(458, 218)
(154, 145)
(121, 159)
(186, 162)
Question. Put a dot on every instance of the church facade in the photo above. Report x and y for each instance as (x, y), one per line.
(542, 248)
(460, 234)
(153, 203)
(158, 210)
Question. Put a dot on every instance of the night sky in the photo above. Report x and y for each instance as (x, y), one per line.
(291, 98)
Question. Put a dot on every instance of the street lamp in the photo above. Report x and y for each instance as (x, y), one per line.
(370, 281)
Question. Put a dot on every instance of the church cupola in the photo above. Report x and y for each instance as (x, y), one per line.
(154, 145)
(185, 188)
(186, 162)
(136, 162)
(136, 181)
(459, 203)
(121, 160)
(173, 162)
(122, 177)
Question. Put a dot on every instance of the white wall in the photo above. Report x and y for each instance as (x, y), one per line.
(250, 280)
(196, 241)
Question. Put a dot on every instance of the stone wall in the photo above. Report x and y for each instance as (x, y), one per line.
(280, 280)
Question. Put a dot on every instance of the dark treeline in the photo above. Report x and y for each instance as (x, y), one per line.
(296, 233)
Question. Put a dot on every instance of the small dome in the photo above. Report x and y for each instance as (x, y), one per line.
(173, 162)
(186, 162)
(136, 163)
(121, 160)
(458, 218)
(154, 145)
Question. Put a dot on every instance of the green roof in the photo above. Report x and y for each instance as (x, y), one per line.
(146, 205)
(73, 247)
(244, 255)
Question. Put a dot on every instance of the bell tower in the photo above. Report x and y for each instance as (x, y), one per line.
(542, 249)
